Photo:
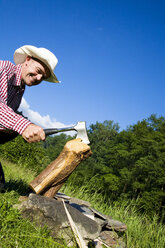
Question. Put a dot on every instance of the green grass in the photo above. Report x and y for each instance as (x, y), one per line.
(17, 232)
(14, 230)
(141, 232)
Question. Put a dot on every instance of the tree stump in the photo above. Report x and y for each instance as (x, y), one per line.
(50, 180)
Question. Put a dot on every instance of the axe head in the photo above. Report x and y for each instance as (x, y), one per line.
(80, 127)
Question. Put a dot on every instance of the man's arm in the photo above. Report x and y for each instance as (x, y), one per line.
(9, 120)
(12, 121)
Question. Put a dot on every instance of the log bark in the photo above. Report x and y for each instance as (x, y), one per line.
(50, 180)
(51, 192)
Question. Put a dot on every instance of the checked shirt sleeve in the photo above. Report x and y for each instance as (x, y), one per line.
(8, 118)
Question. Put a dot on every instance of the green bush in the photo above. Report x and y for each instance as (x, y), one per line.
(24, 154)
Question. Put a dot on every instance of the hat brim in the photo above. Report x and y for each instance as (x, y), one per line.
(20, 57)
(53, 79)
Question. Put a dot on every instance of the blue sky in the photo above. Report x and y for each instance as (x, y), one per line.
(111, 57)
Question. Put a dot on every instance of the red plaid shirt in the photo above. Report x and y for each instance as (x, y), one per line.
(11, 93)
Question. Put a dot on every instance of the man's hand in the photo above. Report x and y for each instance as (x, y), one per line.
(33, 133)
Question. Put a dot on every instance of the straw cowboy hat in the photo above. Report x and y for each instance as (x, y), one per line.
(43, 54)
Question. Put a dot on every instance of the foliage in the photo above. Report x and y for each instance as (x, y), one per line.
(25, 154)
(127, 164)
(54, 145)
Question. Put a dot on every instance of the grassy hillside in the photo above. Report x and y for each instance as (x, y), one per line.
(141, 232)
(17, 232)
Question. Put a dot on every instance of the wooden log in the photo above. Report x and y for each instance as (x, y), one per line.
(51, 192)
(50, 180)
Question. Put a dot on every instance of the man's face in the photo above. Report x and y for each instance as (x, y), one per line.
(33, 72)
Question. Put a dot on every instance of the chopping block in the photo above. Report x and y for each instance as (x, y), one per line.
(51, 179)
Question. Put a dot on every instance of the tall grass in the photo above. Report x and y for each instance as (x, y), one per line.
(17, 232)
(142, 232)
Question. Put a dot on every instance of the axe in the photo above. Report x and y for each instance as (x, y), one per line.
(80, 128)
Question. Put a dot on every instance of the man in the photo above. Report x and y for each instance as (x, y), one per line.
(33, 65)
